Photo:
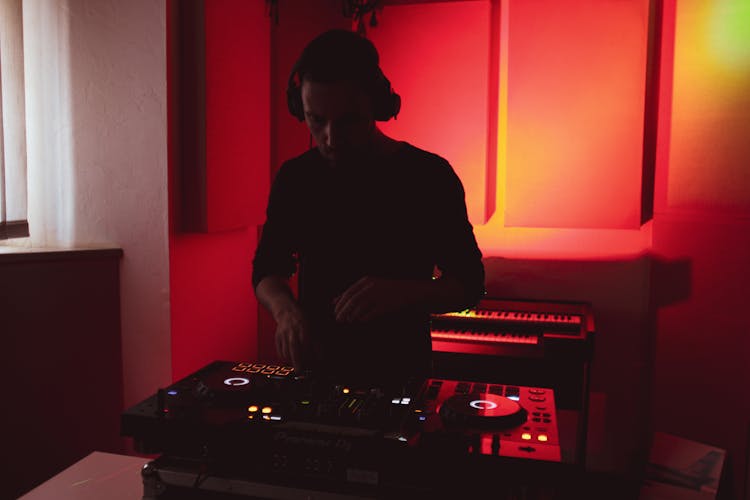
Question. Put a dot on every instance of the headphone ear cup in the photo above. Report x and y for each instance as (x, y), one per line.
(294, 102)
(387, 103)
(395, 104)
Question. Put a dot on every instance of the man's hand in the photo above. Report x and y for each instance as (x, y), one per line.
(370, 298)
(292, 335)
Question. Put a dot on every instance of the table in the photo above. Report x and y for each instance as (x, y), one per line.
(96, 476)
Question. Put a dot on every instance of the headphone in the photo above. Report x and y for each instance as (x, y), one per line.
(386, 104)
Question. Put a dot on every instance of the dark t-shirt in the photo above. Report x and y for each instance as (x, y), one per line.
(396, 216)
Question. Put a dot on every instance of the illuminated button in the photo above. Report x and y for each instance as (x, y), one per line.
(266, 410)
(305, 402)
(252, 409)
(275, 417)
(234, 381)
(266, 417)
(345, 390)
(526, 436)
(172, 393)
(542, 437)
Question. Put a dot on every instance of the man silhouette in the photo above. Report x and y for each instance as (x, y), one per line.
(377, 227)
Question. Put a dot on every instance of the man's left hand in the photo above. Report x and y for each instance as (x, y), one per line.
(370, 298)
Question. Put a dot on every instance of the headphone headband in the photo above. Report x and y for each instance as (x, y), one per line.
(386, 103)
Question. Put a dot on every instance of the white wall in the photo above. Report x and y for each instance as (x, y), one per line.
(97, 155)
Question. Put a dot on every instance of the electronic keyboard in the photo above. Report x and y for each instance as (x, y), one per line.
(516, 328)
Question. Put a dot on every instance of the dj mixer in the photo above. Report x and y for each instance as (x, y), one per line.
(256, 429)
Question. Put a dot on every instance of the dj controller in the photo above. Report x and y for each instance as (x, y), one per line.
(254, 429)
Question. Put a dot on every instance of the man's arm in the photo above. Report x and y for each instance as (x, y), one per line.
(461, 284)
(372, 297)
(291, 327)
(273, 263)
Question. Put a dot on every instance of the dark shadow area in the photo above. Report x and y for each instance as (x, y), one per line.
(61, 363)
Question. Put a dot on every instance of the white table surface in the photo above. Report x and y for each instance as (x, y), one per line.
(98, 476)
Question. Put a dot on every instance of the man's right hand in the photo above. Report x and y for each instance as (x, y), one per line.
(292, 335)
(291, 326)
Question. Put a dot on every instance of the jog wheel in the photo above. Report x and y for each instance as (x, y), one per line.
(482, 410)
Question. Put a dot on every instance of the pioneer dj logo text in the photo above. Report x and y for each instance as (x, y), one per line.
(337, 444)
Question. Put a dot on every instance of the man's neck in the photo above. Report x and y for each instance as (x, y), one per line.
(384, 145)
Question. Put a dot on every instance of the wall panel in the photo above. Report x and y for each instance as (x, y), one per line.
(576, 87)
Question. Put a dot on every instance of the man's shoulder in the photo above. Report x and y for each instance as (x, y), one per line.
(423, 157)
(309, 157)
(298, 167)
(426, 165)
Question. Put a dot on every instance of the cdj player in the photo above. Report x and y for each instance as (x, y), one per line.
(253, 429)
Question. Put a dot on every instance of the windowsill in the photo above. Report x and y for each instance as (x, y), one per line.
(13, 253)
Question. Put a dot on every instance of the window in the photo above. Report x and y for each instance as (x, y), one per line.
(12, 123)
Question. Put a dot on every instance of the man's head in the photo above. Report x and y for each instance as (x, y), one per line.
(337, 87)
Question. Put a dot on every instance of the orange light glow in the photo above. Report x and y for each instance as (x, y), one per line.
(568, 125)
(709, 149)
(542, 437)
(252, 409)
(266, 410)
(526, 436)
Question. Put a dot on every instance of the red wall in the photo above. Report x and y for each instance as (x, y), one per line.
(213, 308)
